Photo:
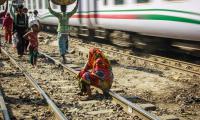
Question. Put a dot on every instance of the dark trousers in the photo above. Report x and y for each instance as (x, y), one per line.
(33, 55)
(21, 43)
(26, 45)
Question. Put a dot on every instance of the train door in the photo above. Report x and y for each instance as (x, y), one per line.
(92, 9)
(80, 10)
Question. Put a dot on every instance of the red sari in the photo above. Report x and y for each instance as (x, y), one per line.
(97, 71)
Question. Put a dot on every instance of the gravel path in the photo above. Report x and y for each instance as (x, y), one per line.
(23, 101)
(172, 91)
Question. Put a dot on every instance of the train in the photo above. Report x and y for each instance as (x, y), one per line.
(173, 19)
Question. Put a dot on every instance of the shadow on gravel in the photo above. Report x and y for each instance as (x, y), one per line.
(17, 74)
(25, 101)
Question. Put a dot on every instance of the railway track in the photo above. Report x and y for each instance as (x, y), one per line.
(129, 107)
(81, 50)
(156, 60)
(58, 114)
(56, 92)
(148, 60)
(4, 110)
(55, 60)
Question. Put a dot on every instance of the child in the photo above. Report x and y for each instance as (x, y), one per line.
(8, 27)
(32, 37)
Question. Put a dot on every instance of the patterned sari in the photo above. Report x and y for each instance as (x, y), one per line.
(97, 71)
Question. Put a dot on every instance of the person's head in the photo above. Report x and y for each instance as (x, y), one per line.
(94, 53)
(25, 10)
(63, 8)
(20, 8)
(8, 15)
(35, 28)
(35, 12)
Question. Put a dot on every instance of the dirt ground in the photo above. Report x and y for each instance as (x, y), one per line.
(173, 92)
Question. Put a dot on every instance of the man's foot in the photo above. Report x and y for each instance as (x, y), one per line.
(80, 94)
(63, 61)
(106, 95)
(86, 98)
(19, 56)
(70, 52)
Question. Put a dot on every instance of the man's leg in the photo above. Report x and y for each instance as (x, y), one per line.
(0, 43)
(62, 46)
(22, 45)
(67, 43)
(35, 57)
(6, 36)
(31, 55)
(18, 43)
(10, 37)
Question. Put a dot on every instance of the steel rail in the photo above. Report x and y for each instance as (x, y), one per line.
(186, 63)
(173, 60)
(4, 108)
(131, 107)
(155, 62)
(189, 71)
(56, 110)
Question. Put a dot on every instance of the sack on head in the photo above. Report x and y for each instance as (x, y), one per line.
(63, 2)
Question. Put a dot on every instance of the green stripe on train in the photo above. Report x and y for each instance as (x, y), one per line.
(168, 18)
(138, 10)
(158, 17)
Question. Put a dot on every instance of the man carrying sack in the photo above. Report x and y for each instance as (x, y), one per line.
(63, 26)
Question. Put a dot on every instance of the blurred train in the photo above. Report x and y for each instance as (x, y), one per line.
(173, 19)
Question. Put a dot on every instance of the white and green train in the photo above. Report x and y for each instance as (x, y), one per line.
(177, 19)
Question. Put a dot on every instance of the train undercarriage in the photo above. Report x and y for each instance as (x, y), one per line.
(131, 40)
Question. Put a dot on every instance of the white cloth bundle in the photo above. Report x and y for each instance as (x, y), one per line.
(14, 40)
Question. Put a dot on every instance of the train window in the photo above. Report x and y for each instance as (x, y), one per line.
(40, 4)
(34, 4)
(142, 1)
(105, 2)
(29, 4)
(119, 2)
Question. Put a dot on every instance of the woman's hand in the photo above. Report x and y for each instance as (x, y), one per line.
(80, 74)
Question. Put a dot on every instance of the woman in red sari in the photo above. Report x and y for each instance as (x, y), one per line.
(8, 27)
(97, 72)
(2, 15)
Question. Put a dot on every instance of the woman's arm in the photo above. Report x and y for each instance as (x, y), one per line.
(11, 11)
(26, 36)
(53, 12)
(6, 6)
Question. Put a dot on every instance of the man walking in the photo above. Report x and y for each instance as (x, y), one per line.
(63, 27)
(21, 27)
